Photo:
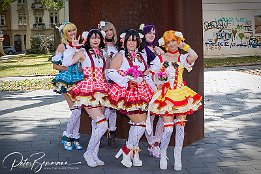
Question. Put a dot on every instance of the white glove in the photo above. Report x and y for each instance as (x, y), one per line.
(137, 80)
(117, 78)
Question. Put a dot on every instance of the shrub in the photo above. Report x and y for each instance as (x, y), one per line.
(41, 44)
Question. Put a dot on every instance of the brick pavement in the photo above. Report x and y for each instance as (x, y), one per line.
(32, 122)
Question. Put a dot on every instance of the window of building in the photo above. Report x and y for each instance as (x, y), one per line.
(21, 1)
(38, 17)
(54, 18)
(2, 20)
(21, 19)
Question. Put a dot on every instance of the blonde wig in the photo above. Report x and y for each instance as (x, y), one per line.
(66, 28)
(109, 26)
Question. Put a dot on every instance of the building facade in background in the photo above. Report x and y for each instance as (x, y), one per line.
(231, 28)
(13, 21)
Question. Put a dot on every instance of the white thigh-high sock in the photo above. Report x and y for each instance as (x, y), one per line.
(76, 130)
(179, 139)
(72, 121)
(107, 113)
(159, 130)
(168, 129)
(135, 133)
(179, 124)
(96, 150)
(150, 138)
(112, 120)
(99, 127)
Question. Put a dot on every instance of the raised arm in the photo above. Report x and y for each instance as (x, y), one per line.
(192, 54)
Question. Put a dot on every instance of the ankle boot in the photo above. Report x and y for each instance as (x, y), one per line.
(67, 142)
(177, 158)
(126, 153)
(76, 144)
(136, 158)
(163, 160)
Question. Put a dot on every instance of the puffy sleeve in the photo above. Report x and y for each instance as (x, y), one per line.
(184, 62)
(57, 58)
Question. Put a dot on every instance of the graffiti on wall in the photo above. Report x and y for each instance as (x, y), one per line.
(230, 32)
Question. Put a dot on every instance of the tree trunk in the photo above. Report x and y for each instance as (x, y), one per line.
(2, 53)
(57, 37)
(28, 29)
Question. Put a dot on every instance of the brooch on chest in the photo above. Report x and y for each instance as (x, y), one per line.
(96, 52)
(133, 56)
(167, 64)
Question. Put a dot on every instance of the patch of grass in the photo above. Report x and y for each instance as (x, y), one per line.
(27, 65)
(33, 84)
(231, 61)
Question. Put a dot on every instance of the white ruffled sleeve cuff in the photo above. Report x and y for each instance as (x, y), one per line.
(184, 62)
(57, 58)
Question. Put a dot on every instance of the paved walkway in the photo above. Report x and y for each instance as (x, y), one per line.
(31, 123)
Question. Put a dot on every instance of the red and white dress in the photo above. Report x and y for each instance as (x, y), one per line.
(125, 95)
(92, 90)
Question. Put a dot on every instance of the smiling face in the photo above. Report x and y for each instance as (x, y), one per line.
(71, 33)
(95, 40)
(172, 45)
(109, 33)
(131, 43)
(150, 36)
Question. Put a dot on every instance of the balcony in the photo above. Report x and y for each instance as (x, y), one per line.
(37, 5)
(39, 26)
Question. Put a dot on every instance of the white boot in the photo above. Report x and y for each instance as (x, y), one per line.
(90, 161)
(126, 160)
(95, 156)
(136, 159)
(177, 158)
(163, 160)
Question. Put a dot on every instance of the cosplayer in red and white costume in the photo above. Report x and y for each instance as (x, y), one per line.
(90, 92)
(130, 93)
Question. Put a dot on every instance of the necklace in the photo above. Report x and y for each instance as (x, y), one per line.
(108, 40)
(174, 52)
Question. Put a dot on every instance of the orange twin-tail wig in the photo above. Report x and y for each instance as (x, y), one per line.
(66, 28)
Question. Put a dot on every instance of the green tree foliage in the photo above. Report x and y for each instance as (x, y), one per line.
(4, 4)
(53, 4)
